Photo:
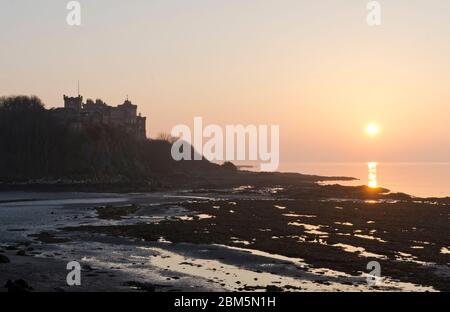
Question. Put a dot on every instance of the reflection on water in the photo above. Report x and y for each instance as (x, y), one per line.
(372, 182)
(359, 250)
(418, 179)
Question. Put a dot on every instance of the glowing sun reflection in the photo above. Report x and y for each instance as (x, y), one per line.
(373, 183)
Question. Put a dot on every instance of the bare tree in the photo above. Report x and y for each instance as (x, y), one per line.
(164, 136)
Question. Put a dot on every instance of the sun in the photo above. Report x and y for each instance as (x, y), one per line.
(373, 129)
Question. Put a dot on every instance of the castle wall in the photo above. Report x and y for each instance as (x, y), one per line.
(123, 116)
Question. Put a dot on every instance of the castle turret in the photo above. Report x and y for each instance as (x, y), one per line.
(74, 103)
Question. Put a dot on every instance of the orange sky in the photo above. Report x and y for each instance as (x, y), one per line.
(313, 67)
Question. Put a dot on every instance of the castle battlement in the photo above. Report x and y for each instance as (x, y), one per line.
(122, 116)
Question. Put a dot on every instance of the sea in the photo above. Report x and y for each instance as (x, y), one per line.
(417, 179)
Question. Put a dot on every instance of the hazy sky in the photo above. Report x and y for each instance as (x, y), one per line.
(312, 66)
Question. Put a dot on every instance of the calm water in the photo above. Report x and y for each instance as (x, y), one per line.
(418, 179)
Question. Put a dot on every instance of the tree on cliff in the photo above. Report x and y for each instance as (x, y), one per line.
(35, 143)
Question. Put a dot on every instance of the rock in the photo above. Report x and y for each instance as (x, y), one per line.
(92, 275)
(141, 286)
(18, 286)
(229, 166)
(4, 259)
(273, 288)
(21, 253)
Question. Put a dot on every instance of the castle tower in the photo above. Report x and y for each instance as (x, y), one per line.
(141, 131)
(74, 103)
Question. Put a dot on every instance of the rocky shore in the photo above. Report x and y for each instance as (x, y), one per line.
(269, 237)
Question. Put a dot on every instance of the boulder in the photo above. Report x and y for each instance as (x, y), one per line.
(4, 259)
(21, 253)
(18, 286)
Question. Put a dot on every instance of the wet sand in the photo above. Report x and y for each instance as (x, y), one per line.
(247, 238)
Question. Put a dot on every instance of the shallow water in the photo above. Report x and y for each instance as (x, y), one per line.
(211, 267)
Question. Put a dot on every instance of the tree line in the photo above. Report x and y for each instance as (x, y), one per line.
(35, 144)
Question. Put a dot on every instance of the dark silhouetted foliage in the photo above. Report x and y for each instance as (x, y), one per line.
(35, 144)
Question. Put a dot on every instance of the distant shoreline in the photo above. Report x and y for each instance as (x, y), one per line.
(218, 178)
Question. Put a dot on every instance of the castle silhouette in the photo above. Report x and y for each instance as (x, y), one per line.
(124, 116)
